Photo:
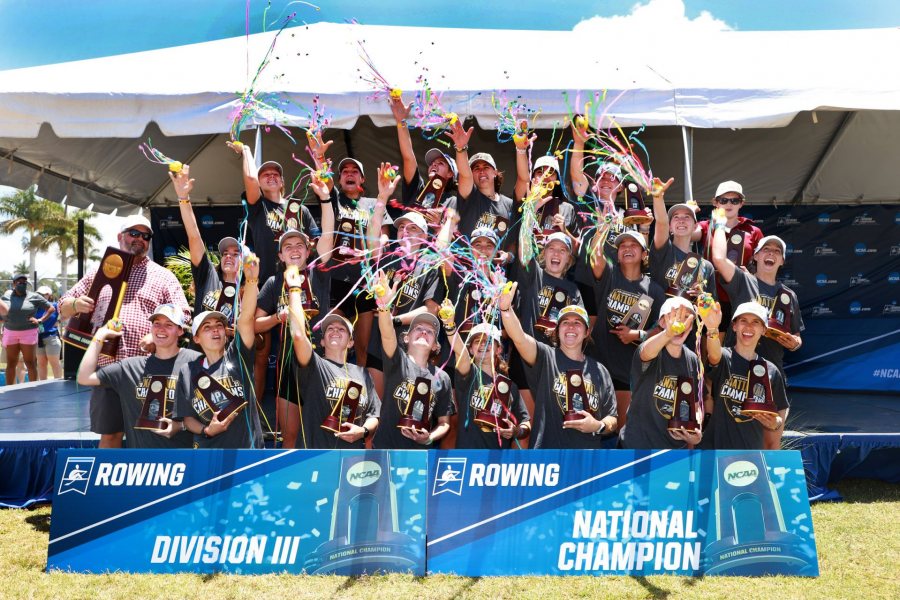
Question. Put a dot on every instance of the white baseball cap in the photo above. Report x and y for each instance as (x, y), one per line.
(413, 217)
(169, 311)
(771, 238)
(546, 161)
(729, 186)
(752, 308)
(484, 329)
(205, 316)
(635, 235)
(135, 220)
(43, 290)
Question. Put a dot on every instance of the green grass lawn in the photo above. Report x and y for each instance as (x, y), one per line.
(858, 543)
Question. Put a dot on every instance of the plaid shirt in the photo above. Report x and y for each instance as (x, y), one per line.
(149, 285)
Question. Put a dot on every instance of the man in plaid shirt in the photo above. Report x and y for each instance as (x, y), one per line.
(149, 285)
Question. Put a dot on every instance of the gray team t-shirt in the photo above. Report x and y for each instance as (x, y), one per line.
(131, 379)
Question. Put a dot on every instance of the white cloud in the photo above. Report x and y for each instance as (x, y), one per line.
(655, 19)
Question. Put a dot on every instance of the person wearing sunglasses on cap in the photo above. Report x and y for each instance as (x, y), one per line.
(729, 199)
(149, 284)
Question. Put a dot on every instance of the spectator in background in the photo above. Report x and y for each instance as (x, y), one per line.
(19, 309)
(49, 345)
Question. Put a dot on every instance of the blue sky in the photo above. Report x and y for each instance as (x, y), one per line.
(48, 31)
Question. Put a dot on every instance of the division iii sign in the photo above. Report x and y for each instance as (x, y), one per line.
(247, 511)
(576, 512)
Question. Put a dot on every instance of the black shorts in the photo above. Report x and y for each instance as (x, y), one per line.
(288, 379)
(106, 411)
(351, 304)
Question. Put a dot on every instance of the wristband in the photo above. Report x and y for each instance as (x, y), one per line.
(642, 335)
(463, 149)
(365, 432)
(712, 333)
(328, 201)
(601, 430)
(251, 281)
(295, 288)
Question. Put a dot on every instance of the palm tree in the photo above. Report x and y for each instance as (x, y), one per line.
(26, 212)
(64, 236)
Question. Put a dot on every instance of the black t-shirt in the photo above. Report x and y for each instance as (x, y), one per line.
(547, 379)
(131, 380)
(615, 296)
(653, 395)
(410, 193)
(324, 383)
(729, 429)
(274, 296)
(582, 272)
(473, 392)
(664, 265)
(480, 211)
(536, 290)
(208, 289)
(422, 281)
(347, 268)
(400, 373)
(745, 287)
(265, 222)
(234, 372)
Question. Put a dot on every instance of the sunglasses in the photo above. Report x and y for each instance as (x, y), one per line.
(734, 201)
(134, 233)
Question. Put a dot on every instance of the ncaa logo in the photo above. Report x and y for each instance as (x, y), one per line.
(741, 473)
(364, 473)
(207, 221)
(897, 219)
(824, 219)
(76, 475)
(449, 475)
(821, 279)
(169, 251)
(855, 308)
(860, 249)
(893, 277)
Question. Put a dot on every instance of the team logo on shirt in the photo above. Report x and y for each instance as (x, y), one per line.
(560, 389)
(334, 391)
(275, 220)
(404, 391)
(211, 302)
(235, 387)
(618, 303)
(143, 388)
(664, 396)
(733, 393)
(409, 290)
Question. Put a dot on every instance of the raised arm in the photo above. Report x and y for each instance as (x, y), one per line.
(523, 172)
(576, 160)
(384, 298)
(465, 181)
(386, 187)
(660, 216)
(463, 362)
(248, 166)
(183, 185)
(401, 114)
(326, 202)
(712, 321)
(525, 344)
(247, 318)
(87, 370)
(720, 260)
(595, 252)
(302, 346)
(317, 148)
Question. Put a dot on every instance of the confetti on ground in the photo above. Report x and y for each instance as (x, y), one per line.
(294, 485)
(673, 485)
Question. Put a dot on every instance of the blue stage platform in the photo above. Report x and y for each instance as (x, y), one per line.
(839, 435)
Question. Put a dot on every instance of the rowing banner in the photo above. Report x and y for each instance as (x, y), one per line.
(246, 511)
(576, 512)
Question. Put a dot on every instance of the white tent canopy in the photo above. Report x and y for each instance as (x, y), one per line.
(795, 116)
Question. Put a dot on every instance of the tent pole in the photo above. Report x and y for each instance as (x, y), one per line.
(257, 147)
(687, 136)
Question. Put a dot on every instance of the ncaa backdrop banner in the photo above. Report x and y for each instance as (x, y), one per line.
(239, 511)
(595, 512)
